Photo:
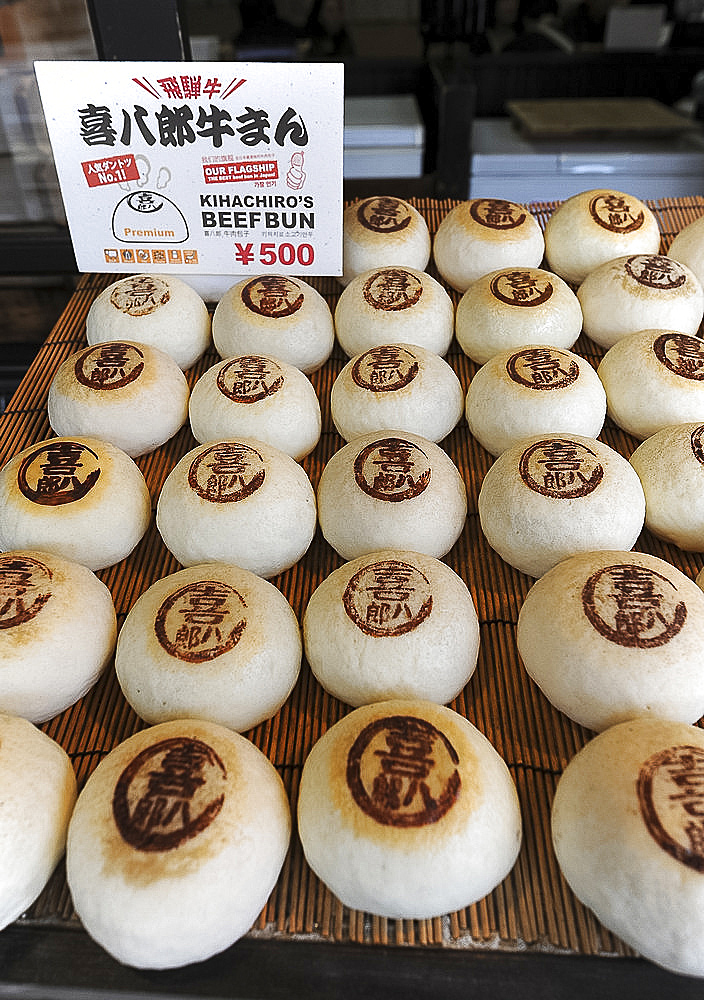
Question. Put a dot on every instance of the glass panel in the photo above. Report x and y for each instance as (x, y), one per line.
(52, 29)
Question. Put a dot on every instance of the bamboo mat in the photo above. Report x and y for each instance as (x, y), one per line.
(532, 910)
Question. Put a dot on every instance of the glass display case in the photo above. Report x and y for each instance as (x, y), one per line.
(305, 944)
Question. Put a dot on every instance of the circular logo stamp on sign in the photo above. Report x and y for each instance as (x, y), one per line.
(169, 794)
(633, 606)
(392, 289)
(681, 354)
(273, 295)
(656, 271)
(542, 368)
(671, 797)
(521, 288)
(227, 472)
(392, 469)
(250, 379)
(613, 211)
(560, 468)
(25, 587)
(402, 771)
(58, 472)
(388, 598)
(385, 369)
(384, 215)
(697, 442)
(109, 366)
(140, 295)
(201, 621)
(494, 213)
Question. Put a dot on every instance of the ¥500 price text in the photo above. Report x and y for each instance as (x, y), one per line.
(268, 254)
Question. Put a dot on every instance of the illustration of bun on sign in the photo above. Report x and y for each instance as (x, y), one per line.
(146, 215)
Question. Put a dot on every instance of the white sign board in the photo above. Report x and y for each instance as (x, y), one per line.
(199, 168)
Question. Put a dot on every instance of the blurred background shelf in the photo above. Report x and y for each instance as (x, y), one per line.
(443, 73)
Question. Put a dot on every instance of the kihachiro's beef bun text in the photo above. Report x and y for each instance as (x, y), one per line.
(406, 810)
(598, 656)
(211, 642)
(391, 305)
(483, 235)
(625, 836)
(598, 225)
(155, 309)
(547, 498)
(400, 386)
(258, 396)
(639, 292)
(240, 501)
(80, 498)
(654, 378)
(388, 489)
(132, 395)
(392, 624)
(277, 315)
(514, 307)
(535, 390)
(159, 887)
(381, 231)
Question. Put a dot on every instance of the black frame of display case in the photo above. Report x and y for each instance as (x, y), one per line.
(56, 964)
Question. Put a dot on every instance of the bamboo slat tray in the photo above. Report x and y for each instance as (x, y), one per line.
(532, 910)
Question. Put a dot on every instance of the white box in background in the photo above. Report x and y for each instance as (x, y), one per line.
(506, 165)
(383, 137)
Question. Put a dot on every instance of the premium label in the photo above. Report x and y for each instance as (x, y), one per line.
(402, 772)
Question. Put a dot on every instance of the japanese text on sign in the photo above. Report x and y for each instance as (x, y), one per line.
(223, 169)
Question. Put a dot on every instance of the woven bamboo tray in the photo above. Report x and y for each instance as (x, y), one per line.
(532, 910)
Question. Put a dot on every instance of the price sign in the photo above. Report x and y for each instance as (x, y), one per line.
(199, 168)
